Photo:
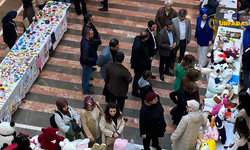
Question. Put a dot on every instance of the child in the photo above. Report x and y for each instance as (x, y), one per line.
(182, 69)
(241, 133)
(145, 85)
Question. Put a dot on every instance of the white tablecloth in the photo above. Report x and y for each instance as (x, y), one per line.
(22, 65)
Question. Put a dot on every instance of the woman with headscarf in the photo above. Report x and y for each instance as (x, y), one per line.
(28, 10)
(185, 135)
(90, 117)
(63, 119)
(9, 29)
(203, 36)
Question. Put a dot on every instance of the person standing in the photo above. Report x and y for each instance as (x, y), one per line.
(63, 119)
(152, 123)
(152, 43)
(40, 3)
(164, 14)
(167, 43)
(241, 134)
(111, 125)
(246, 66)
(87, 59)
(9, 29)
(78, 8)
(182, 69)
(203, 36)
(118, 78)
(185, 135)
(182, 27)
(90, 117)
(180, 98)
(107, 55)
(140, 59)
(28, 10)
(88, 22)
(105, 5)
(145, 85)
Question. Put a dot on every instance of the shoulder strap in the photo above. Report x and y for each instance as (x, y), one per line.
(98, 106)
(59, 114)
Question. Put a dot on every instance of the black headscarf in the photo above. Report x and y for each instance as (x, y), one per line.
(9, 16)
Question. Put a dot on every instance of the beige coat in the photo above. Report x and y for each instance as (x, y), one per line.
(89, 123)
(242, 113)
(185, 135)
(108, 129)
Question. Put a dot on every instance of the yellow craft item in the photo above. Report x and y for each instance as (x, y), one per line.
(208, 145)
(212, 122)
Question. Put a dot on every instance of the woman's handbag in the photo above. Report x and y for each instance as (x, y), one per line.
(75, 126)
(109, 140)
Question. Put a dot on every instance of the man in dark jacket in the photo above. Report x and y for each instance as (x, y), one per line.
(88, 23)
(118, 78)
(140, 59)
(87, 59)
(167, 44)
(151, 42)
(152, 123)
(164, 14)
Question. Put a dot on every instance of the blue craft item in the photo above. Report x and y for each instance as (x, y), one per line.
(234, 79)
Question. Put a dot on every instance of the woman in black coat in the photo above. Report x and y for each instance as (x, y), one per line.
(246, 66)
(152, 123)
(180, 98)
(9, 29)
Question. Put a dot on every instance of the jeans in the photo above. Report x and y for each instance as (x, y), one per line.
(67, 1)
(246, 79)
(86, 77)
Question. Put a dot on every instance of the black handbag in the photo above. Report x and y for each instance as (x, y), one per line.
(75, 126)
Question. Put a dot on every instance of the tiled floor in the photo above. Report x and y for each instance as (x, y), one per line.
(61, 76)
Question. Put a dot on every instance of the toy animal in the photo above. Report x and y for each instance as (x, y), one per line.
(7, 133)
(221, 130)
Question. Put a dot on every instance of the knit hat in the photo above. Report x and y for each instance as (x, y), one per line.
(151, 96)
(193, 105)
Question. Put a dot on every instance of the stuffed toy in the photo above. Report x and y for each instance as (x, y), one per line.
(120, 144)
(233, 51)
(221, 130)
(34, 144)
(66, 145)
(211, 133)
(96, 146)
(49, 139)
(226, 75)
(208, 145)
(222, 112)
(217, 108)
(212, 102)
(81, 143)
(7, 133)
(131, 146)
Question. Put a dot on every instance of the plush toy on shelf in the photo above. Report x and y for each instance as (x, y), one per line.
(233, 51)
(207, 144)
(49, 139)
(7, 133)
(66, 145)
(221, 130)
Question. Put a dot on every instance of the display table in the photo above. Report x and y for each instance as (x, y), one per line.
(23, 63)
(232, 37)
